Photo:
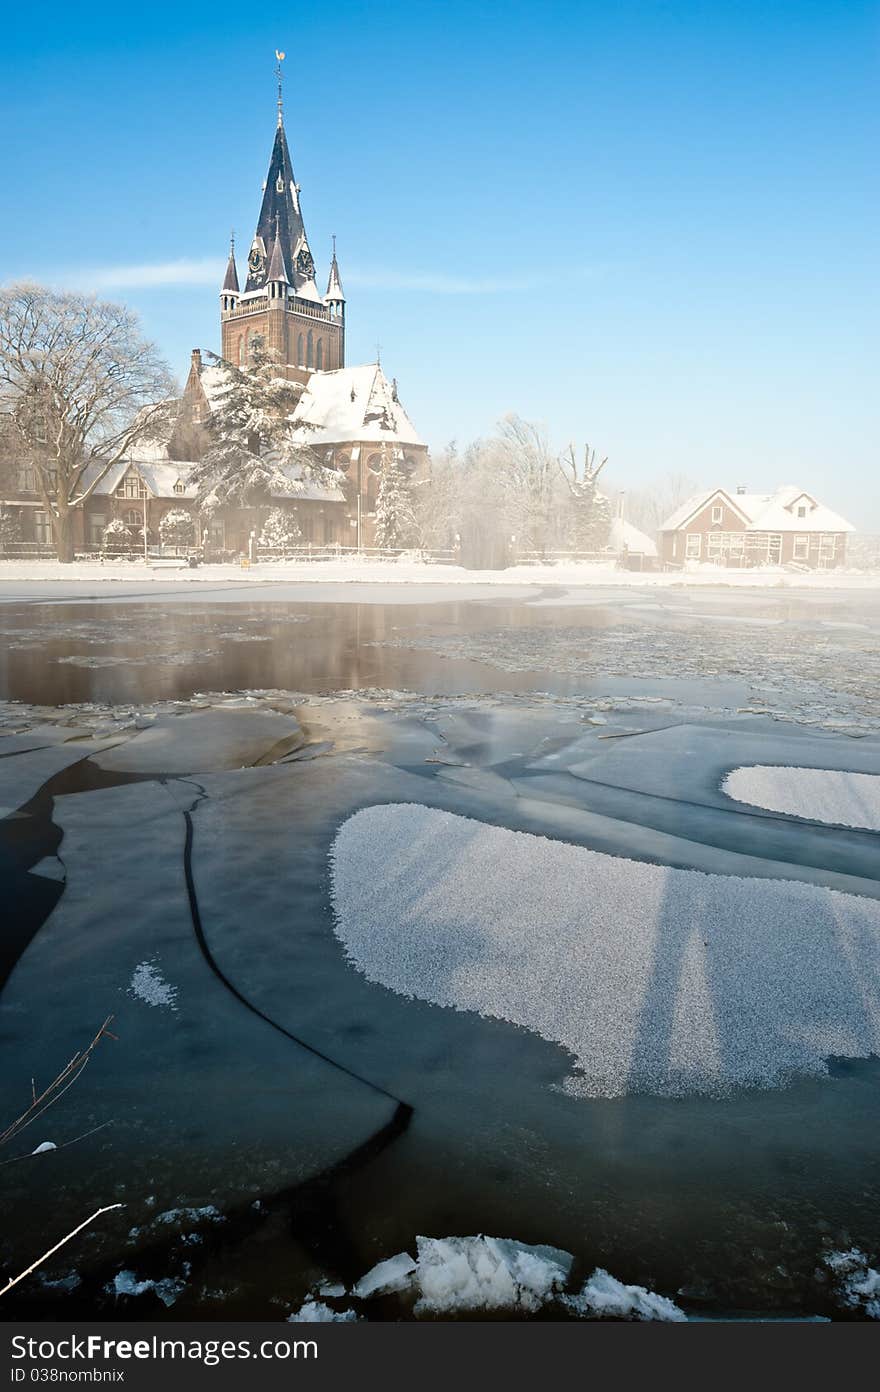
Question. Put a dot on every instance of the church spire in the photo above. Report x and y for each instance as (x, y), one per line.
(280, 57)
(281, 209)
(334, 283)
(230, 280)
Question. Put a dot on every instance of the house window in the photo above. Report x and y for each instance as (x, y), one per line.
(310, 350)
(802, 510)
(694, 546)
(27, 479)
(717, 516)
(132, 518)
(827, 547)
(179, 487)
(132, 486)
(97, 523)
(801, 550)
(42, 528)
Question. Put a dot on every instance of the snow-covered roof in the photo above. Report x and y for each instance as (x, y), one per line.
(765, 512)
(159, 476)
(624, 534)
(351, 404)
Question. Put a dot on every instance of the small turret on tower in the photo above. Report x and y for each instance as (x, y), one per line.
(277, 279)
(229, 293)
(335, 298)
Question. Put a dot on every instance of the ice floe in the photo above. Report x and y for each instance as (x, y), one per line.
(656, 979)
(452, 1276)
(126, 1283)
(835, 796)
(856, 1283)
(316, 1312)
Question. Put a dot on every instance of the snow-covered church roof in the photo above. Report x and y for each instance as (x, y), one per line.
(351, 404)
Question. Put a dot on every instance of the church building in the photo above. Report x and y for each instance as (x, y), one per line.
(350, 417)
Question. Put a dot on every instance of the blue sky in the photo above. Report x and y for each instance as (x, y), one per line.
(652, 226)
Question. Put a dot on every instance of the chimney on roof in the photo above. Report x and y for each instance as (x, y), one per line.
(741, 489)
(196, 356)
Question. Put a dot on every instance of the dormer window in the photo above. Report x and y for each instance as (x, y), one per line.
(179, 487)
(802, 510)
(279, 184)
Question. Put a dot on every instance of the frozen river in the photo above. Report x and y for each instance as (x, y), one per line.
(283, 1103)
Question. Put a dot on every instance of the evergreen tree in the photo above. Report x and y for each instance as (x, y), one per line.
(177, 528)
(590, 510)
(253, 450)
(395, 514)
(280, 530)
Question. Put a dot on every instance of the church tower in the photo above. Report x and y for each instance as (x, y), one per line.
(281, 303)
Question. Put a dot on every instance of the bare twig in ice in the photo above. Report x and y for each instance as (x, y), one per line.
(65, 1079)
(14, 1280)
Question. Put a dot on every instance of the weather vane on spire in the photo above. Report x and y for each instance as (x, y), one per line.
(280, 56)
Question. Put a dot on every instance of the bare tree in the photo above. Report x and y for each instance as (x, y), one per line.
(79, 385)
(647, 508)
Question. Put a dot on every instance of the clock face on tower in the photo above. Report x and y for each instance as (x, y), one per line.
(256, 260)
(304, 263)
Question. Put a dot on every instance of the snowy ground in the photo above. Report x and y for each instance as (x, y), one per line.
(354, 569)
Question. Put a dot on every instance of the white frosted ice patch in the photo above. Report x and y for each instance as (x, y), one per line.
(487, 1273)
(655, 979)
(148, 984)
(604, 1297)
(316, 1312)
(394, 1274)
(127, 1283)
(856, 1283)
(823, 795)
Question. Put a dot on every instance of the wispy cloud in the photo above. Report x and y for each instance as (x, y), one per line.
(165, 275)
(159, 275)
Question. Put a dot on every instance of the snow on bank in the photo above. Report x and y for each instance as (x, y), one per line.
(466, 1275)
(316, 1312)
(823, 795)
(148, 984)
(656, 979)
(407, 570)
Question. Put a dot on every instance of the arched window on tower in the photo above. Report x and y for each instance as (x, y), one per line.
(310, 350)
(319, 355)
(247, 345)
(300, 351)
(240, 350)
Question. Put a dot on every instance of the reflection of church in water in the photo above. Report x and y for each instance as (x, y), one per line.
(351, 416)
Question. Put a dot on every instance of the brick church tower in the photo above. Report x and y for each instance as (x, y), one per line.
(281, 302)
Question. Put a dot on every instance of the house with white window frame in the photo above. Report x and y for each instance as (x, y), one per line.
(739, 529)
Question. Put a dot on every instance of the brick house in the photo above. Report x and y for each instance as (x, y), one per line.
(741, 529)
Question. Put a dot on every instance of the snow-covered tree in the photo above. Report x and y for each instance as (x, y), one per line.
(280, 530)
(177, 528)
(117, 536)
(395, 514)
(253, 442)
(79, 384)
(10, 527)
(590, 511)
